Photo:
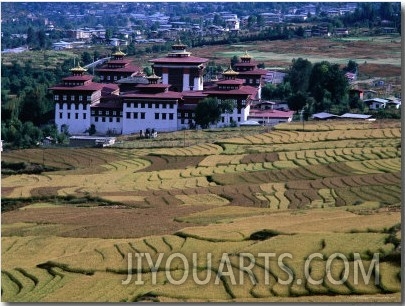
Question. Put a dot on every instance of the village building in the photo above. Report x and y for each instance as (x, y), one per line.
(270, 116)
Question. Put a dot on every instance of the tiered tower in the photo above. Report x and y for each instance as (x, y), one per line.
(74, 98)
(180, 69)
(117, 68)
(248, 70)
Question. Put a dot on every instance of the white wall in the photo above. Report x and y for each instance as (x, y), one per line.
(76, 126)
(134, 125)
(114, 127)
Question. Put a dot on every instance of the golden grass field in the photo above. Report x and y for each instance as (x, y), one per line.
(68, 234)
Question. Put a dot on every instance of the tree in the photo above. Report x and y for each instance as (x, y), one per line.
(351, 67)
(86, 58)
(208, 112)
(297, 101)
(328, 85)
(92, 130)
(299, 75)
(234, 60)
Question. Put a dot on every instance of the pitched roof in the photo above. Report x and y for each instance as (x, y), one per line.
(355, 116)
(273, 113)
(323, 115)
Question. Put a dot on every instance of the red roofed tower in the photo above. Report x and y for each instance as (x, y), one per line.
(74, 97)
(181, 70)
(117, 68)
(248, 71)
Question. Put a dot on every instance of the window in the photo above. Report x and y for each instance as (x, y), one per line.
(238, 119)
(114, 113)
(156, 115)
(96, 119)
(64, 97)
(56, 97)
(182, 121)
(164, 116)
(239, 111)
(108, 77)
(111, 119)
(128, 115)
(170, 116)
(135, 115)
(103, 119)
(186, 115)
(149, 105)
(72, 97)
(164, 105)
(121, 113)
(142, 105)
(102, 77)
(93, 112)
(171, 105)
(60, 115)
(88, 98)
(100, 112)
(115, 77)
(84, 116)
(68, 115)
(223, 119)
(118, 119)
(142, 115)
(107, 113)
(80, 98)
(76, 116)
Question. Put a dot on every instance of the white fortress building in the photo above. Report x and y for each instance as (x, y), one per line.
(165, 101)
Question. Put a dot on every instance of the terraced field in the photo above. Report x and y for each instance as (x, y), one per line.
(334, 187)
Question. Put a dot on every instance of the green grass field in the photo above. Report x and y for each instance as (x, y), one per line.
(69, 234)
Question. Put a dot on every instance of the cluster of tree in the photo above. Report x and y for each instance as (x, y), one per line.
(318, 87)
(371, 14)
(27, 108)
(210, 109)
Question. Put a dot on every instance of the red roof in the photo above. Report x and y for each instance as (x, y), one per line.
(128, 68)
(81, 78)
(105, 88)
(255, 113)
(243, 90)
(109, 104)
(180, 60)
(253, 72)
(119, 62)
(194, 93)
(160, 95)
(230, 82)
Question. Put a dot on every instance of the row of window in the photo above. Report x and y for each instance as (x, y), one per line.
(76, 116)
(106, 112)
(135, 115)
(108, 78)
(149, 105)
(72, 98)
(104, 119)
(230, 119)
(73, 83)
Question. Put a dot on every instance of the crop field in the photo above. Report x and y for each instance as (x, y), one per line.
(330, 188)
